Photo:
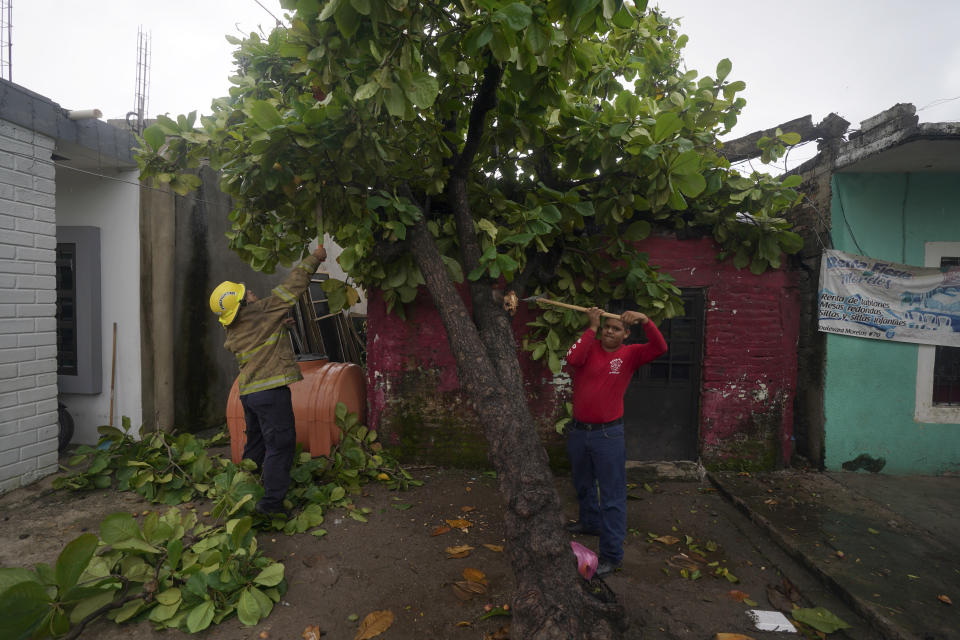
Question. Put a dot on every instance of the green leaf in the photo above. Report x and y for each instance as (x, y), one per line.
(117, 527)
(200, 617)
(516, 16)
(22, 608)
(422, 90)
(537, 38)
(73, 560)
(477, 38)
(128, 610)
(790, 138)
(723, 68)
(686, 163)
(361, 6)
(366, 91)
(668, 123)
(690, 185)
(10, 576)
(265, 114)
(88, 605)
(820, 619)
(271, 576)
(248, 611)
(791, 181)
(154, 136)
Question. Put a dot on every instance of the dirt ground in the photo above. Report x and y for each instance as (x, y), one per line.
(393, 562)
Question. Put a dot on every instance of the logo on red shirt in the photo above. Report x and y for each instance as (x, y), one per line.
(615, 365)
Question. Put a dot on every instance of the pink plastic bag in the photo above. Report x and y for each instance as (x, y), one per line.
(587, 560)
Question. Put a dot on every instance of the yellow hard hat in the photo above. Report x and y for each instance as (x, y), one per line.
(225, 300)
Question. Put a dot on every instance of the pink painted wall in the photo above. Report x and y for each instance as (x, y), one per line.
(749, 359)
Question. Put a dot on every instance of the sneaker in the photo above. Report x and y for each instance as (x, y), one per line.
(578, 528)
(605, 568)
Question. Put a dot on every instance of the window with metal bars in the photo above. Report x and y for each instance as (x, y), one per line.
(946, 364)
(66, 309)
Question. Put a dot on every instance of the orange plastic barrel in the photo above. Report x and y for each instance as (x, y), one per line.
(314, 400)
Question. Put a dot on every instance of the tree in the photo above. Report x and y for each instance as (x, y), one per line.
(461, 146)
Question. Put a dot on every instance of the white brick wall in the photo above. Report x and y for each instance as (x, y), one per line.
(28, 340)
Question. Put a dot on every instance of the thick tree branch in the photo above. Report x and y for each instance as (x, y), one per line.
(485, 101)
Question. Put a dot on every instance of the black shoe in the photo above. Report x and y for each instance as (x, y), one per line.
(605, 568)
(272, 513)
(577, 528)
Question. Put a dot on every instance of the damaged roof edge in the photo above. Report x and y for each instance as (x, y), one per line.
(110, 145)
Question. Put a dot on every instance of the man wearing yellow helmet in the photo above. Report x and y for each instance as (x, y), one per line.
(258, 337)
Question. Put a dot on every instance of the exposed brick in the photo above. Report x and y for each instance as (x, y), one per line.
(45, 242)
(45, 324)
(16, 178)
(15, 384)
(18, 440)
(17, 471)
(9, 399)
(39, 421)
(36, 282)
(46, 295)
(7, 222)
(8, 371)
(35, 367)
(39, 394)
(18, 237)
(49, 351)
(40, 448)
(48, 463)
(37, 310)
(34, 197)
(36, 255)
(34, 226)
(48, 431)
(45, 268)
(36, 167)
(44, 214)
(45, 406)
(17, 355)
(8, 311)
(9, 457)
(12, 266)
(14, 296)
(37, 339)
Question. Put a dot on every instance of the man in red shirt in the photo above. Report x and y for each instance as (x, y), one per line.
(602, 369)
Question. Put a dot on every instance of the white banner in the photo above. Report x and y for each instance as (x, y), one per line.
(870, 298)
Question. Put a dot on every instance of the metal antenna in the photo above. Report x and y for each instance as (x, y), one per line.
(6, 40)
(142, 95)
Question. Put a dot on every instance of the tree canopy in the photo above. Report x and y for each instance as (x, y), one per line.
(594, 134)
(463, 146)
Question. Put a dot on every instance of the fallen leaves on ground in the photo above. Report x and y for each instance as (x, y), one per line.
(439, 531)
(459, 523)
(944, 599)
(474, 575)
(461, 551)
(667, 540)
(374, 624)
(820, 619)
(465, 589)
(494, 547)
(731, 636)
(312, 632)
(740, 596)
(467, 509)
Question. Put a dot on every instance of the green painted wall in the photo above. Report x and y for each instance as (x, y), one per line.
(870, 392)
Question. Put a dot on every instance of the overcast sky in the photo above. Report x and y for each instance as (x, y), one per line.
(852, 57)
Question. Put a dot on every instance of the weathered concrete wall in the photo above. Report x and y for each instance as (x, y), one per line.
(748, 382)
(28, 340)
(872, 386)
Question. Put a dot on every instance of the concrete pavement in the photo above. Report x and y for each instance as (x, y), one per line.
(885, 544)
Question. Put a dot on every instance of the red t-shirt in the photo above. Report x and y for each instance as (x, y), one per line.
(600, 377)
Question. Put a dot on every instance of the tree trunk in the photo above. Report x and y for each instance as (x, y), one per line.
(552, 601)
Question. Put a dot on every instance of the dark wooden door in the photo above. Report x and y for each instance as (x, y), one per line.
(662, 403)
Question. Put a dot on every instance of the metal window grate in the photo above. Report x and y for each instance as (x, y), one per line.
(66, 309)
(946, 364)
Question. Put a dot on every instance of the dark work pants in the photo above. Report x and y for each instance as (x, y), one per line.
(598, 461)
(271, 441)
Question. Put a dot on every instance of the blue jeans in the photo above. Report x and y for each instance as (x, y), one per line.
(599, 468)
(271, 441)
